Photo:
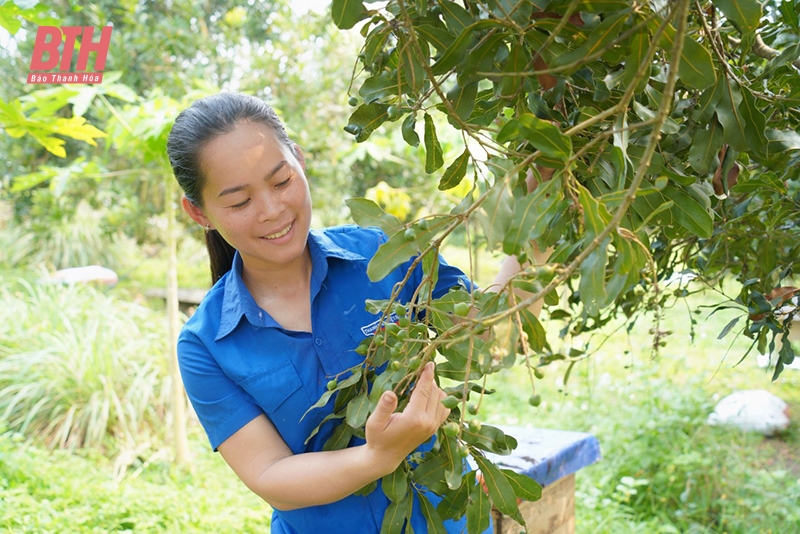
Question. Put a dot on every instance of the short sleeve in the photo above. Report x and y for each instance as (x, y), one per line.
(221, 405)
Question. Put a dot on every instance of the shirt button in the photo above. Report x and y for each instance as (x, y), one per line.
(318, 341)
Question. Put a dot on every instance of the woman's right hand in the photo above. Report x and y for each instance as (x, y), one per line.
(391, 436)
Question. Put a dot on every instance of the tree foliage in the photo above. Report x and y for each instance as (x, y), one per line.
(670, 131)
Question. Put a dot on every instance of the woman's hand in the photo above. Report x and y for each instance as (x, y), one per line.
(393, 436)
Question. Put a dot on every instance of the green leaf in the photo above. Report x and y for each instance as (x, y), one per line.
(516, 63)
(374, 43)
(454, 464)
(437, 37)
(376, 87)
(409, 134)
(456, 17)
(525, 487)
(432, 517)
(545, 137)
(537, 336)
(689, 213)
(593, 276)
(454, 504)
(529, 212)
(755, 122)
(496, 214)
(590, 6)
(479, 510)
(433, 150)
(463, 99)
(728, 327)
(696, 68)
(346, 13)
(638, 49)
(456, 51)
(367, 118)
(358, 410)
(708, 102)
(501, 492)
(430, 473)
(455, 172)
(745, 14)
(601, 37)
(340, 438)
(395, 516)
(395, 484)
(481, 59)
(488, 438)
(367, 213)
(706, 146)
(399, 249)
(411, 68)
(595, 215)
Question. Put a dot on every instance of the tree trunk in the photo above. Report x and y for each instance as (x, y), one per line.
(178, 404)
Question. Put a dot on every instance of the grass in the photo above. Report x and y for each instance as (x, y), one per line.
(56, 491)
(663, 469)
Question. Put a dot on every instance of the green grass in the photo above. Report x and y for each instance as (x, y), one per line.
(55, 492)
(663, 469)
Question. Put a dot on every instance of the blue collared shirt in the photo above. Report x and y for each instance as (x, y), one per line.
(237, 362)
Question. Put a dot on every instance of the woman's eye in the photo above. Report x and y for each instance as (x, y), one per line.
(241, 204)
(283, 183)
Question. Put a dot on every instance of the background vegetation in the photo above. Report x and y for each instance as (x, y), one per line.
(85, 424)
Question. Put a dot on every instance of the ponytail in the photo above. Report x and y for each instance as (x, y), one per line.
(220, 255)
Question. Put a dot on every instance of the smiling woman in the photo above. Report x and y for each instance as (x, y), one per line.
(281, 322)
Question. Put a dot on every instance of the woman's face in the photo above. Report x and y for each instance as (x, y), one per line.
(256, 196)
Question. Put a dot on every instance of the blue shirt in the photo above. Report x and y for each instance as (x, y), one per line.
(237, 363)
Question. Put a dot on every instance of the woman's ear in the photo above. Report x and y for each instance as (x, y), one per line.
(194, 211)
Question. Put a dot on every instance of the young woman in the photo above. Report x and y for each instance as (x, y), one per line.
(282, 319)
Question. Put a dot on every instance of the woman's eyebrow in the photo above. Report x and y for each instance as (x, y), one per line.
(269, 175)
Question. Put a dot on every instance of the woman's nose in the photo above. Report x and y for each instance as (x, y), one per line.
(270, 206)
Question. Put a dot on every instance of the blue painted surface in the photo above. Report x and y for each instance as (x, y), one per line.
(547, 455)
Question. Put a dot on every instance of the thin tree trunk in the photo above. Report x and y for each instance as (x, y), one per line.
(180, 441)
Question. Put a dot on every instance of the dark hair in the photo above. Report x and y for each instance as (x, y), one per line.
(196, 126)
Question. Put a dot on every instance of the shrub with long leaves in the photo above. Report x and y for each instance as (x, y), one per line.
(78, 366)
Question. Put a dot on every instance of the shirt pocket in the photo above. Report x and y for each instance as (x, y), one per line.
(280, 394)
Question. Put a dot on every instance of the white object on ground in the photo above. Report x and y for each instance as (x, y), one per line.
(752, 410)
(89, 273)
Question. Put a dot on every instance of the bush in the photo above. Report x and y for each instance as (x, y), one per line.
(78, 365)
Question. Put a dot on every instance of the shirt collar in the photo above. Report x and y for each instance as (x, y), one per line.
(237, 300)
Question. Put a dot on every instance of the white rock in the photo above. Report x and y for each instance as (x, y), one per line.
(752, 411)
(89, 273)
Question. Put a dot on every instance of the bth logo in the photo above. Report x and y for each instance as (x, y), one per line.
(50, 49)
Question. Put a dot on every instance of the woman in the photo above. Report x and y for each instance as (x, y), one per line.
(282, 319)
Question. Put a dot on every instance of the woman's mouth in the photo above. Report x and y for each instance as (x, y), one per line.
(281, 233)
